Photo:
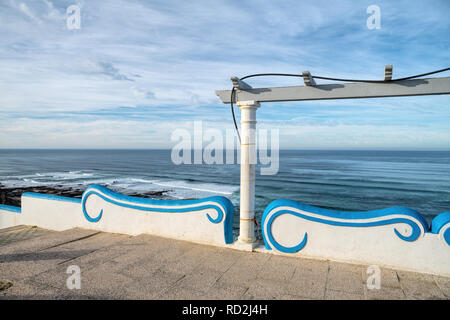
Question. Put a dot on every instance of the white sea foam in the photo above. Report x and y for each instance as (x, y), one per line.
(66, 179)
(202, 187)
(72, 175)
(29, 180)
(19, 183)
(183, 189)
(178, 189)
(142, 180)
(58, 175)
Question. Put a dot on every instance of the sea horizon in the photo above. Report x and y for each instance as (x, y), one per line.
(281, 149)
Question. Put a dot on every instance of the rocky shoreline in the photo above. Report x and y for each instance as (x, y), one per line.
(12, 196)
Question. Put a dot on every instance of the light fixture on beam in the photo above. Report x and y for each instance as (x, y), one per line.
(308, 79)
(239, 84)
(388, 72)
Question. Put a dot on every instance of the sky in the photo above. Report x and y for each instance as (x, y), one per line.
(135, 71)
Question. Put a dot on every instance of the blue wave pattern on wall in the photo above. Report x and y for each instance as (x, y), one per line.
(10, 208)
(393, 215)
(221, 205)
(442, 223)
(50, 197)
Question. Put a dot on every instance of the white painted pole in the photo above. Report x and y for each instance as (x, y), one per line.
(248, 161)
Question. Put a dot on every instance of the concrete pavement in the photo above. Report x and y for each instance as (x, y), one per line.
(34, 263)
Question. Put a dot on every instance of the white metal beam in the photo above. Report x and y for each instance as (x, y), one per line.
(416, 87)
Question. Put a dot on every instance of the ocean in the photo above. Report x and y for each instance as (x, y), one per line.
(341, 180)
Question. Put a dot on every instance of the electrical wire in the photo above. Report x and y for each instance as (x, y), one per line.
(423, 74)
(271, 74)
(382, 81)
(233, 90)
(233, 93)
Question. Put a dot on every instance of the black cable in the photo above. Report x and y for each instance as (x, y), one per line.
(341, 79)
(232, 111)
(423, 74)
(351, 80)
(271, 74)
(382, 81)
(233, 92)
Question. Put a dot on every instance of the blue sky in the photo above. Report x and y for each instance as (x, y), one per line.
(137, 70)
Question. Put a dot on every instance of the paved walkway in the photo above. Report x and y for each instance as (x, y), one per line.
(33, 265)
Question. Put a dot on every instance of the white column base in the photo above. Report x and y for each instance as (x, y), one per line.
(245, 246)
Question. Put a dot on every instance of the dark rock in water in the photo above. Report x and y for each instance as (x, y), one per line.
(156, 194)
(12, 196)
(2, 197)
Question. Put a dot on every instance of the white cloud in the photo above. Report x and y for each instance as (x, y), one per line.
(53, 13)
(27, 11)
(119, 133)
(172, 56)
(141, 93)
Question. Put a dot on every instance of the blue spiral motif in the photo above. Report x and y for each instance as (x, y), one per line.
(83, 206)
(348, 216)
(447, 236)
(440, 222)
(138, 204)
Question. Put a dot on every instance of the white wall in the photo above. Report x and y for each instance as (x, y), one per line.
(9, 217)
(180, 219)
(374, 244)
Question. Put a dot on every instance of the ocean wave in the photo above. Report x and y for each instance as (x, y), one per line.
(71, 175)
(29, 180)
(20, 183)
(202, 187)
(183, 184)
(142, 180)
(66, 179)
(178, 188)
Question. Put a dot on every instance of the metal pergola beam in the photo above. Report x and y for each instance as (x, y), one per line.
(356, 90)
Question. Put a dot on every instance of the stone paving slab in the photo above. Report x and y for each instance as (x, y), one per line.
(19, 233)
(115, 266)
